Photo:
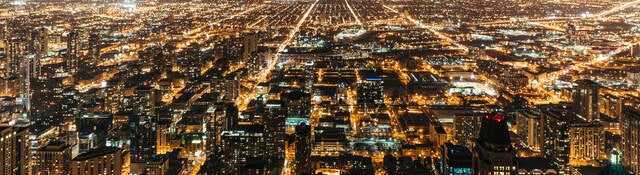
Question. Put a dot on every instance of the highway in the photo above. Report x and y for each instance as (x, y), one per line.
(353, 13)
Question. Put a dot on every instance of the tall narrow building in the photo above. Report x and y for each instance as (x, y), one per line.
(14, 150)
(630, 143)
(39, 46)
(94, 48)
(302, 142)
(585, 100)
(73, 48)
(493, 153)
(143, 141)
(556, 138)
(530, 128)
(14, 54)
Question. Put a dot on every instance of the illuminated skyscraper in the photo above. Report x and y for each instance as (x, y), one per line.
(630, 127)
(94, 48)
(114, 96)
(250, 44)
(14, 150)
(585, 100)
(530, 129)
(73, 49)
(586, 142)
(556, 138)
(101, 161)
(467, 126)
(15, 49)
(39, 46)
(53, 158)
(145, 98)
(242, 146)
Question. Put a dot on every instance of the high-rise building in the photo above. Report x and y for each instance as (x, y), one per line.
(54, 158)
(630, 143)
(467, 126)
(231, 49)
(296, 103)
(15, 51)
(456, 160)
(14, 150)
(70, 103)
(93, 127)
(530, 128)
(585, 100)
(144, 100)
(230, 116)
(274, 130)
(73, 49)
(143, 142)
(556, 138)
(586, 142)
(114, 96)
(302, 142)
(250, 44)
(101, 161)
(39, 47)
(257, 61)
(610, 105)
(493, 152)
(94, 48)
(241, 146)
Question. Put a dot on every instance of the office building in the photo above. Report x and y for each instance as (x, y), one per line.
(143, 142)
(54, 158)
(72, 52)
(586, 142)
(242, 146)
(467, 126)
(456, 159)
(556, 146)
(302, 142)
(493, 152)
(101, 161)
(144, 100)
(530, 129)
(585, 100)
(14, 150)
(630, 143)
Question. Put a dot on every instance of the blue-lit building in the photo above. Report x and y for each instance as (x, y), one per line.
(456, 160)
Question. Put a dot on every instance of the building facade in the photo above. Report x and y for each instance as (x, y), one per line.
(101, 161)
(630, 143)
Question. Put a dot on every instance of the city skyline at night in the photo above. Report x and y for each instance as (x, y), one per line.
(335, 87)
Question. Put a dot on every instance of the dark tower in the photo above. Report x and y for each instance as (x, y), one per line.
(493, 153)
